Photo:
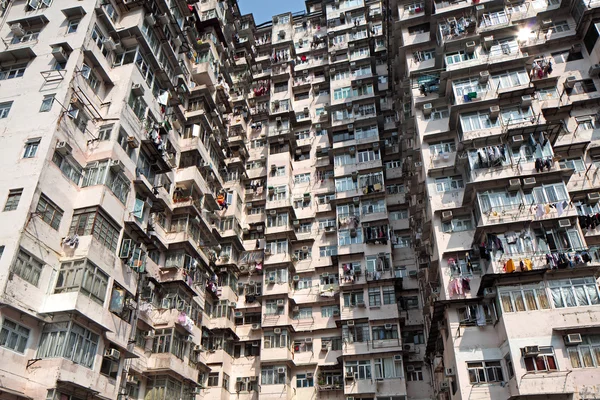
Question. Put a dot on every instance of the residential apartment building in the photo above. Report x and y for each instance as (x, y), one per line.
(499, 120)
(197, 206)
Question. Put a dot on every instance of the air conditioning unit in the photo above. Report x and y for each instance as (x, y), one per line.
(360, 304)
(412, 274)
(410, 368)
(308, 340)
(409, 347)
(112, 353)
(387, 327)
(325, 345)
(449, 372)
(138, 89)
(397, 357)
(564, 223)
(352, 150)
(150, 20)
(281, 370)
(255, 327)
(117, 165)
(109, 44)
(296, 309)
(445, 385)
(593, 197)
(273, 212)
(514, 184)
(530, 351)
(470, 47)
(484, 76)
(273, 167)
(350, 323)
(427, 108)
(570, 82)
(528, 183)
(17, 29)
(356, 200)
(296, 278)
(446, 216)
(594, 70)
(494, 112)
(489, 293)
(349, 375)
(238, 314)
(336, 313)
(526, 101)
(517, 140)
(573, 339)
(149, 334)
(277, 331)
(280, 303)
(59, 54)
(63, 148)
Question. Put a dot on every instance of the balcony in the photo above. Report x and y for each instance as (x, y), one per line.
(161, 363)
(453, 29)
(276, 354)
(521, 213)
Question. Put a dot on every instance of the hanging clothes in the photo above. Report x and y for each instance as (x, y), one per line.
(528, 264)
(509, 266)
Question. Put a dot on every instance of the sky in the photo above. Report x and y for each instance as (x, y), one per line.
(264, 10)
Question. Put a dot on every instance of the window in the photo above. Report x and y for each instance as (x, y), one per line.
(5, 109)
(98, 173)
(27, 267)
(477, 121)
(92, 221)
(138, 106)
(12, 71)
(73, 25)
(388, 368)
(575, 163)
(302, 178)
(70, 341)
(458, 224)
(342, 93)
(450, 183)
(485, 372)
(329, 311)
(273, 375)
(82, 276)
(542, 362)
(49, 212)
(360, 369)
(524, 298)
(303, 381)
(389, 295)
(12, 201)
(351, 299)
(374, 297)
(574, 292)
(509, 366)
(585, 355)
(225, 383)
(385, 333)
(31, 147)
(110, 366)
(47, 103)
(68, 167)
(14, 336)
(213, 379)
(437, 113)
(280, 87)
(416, 374)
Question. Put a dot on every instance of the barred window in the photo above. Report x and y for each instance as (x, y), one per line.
(27, 267)
(82, 276)
(49, 212)
(93, 221)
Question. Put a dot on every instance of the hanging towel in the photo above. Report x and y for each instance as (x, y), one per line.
(559, 208)
(509, 266)
(528, 264)
(547, 208)
(539, 212)
(480, 316)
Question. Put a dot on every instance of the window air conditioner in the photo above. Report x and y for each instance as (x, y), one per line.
(17, 29)
(255, 327)
(397, 358)
(109, 44)
(138, 89)
(387, 327)
(59, 54)
(494, 111)
(350, 323)
(573, 339)
(239, 314)
(526, 101)
(564, 223)
(531, 351)
(514, 184)
(484, 76)
(410, 368)
(280, 303)
(117, 165)
(427, 108)
(593, 197)
(281, 370)
(594, 71)
(412, 274)
(308, 340)
(277, 331)
(449, 372)
(528, 183)
(517, 140)
(570, 82)
(112, 353)
(63, 148)
(410, 347)
(446, 216)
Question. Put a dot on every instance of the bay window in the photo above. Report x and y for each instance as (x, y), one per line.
(524, 298)
(69, 340)
(450, 183)
(388, 368)
(574, 292)
(360, 369)
(516, 115)
(274, 340)
(356, 333)
(170, 341)
(273, 375)
(476, 121)
(586, 354)
(82, 276)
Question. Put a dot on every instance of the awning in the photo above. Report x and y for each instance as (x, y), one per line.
(20, 395)
(71, 12)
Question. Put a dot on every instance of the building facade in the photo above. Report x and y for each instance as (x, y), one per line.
(197, 206)
(365, 200)
(499, 114)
